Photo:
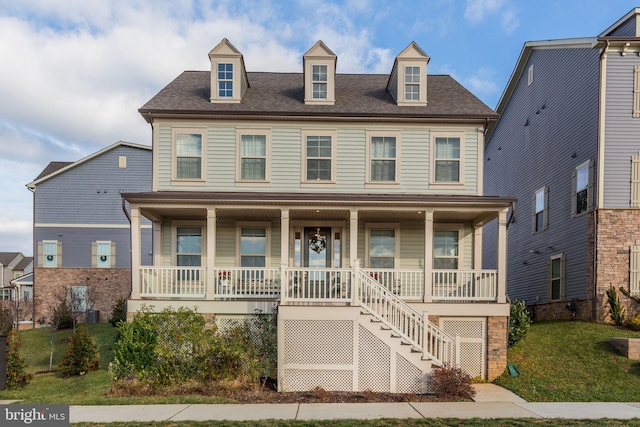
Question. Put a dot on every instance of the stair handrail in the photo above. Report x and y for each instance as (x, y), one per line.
(406, 322)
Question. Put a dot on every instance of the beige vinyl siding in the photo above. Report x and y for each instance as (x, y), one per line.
(415, 159)
(167, 259)
(275, 244)
(286, 163)
(226, 243)
(164, 157)
(221, 157)
(411, 246)
(351, 159)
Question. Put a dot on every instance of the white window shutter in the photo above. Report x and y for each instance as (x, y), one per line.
(634, 271)
(636, 91)
(113, 254)
(574, 200)
(635, 181)
(546, 207)
(590, 187)
(94, 254)
(59, 254)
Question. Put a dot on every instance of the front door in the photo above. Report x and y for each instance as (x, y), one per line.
(317, 247)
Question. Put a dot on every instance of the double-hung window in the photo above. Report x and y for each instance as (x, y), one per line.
(189, 246)
(382, 248)
(556, 277)
(412, 83)
(5, 294)
(445, 249)
(382, 154)
(253, 246)
(540, 210)
(253, 157)
(319, 81)
(225, 80)
(188, 157)
(318, 157)
(582, 191)
(447, 159)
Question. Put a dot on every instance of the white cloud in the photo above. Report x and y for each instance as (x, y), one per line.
(476, 11)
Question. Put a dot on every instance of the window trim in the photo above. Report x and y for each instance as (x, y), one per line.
(332, 133)
(382, 226)
(174, 239)
(550, 278)
(397, 134)
(111, 256)
(545, 210)
(401, 79)
(267, 167)
(432, 164)
(589, 188)
(253, 224)
(411, 83)
(324, 82)
(219, 80)
(459, 228)
(57, 255)
(174, 155)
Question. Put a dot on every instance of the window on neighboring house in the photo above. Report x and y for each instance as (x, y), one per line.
(556, 277)
(253, 246)
(582, 194)
(188, 155)
(225, 80)
(447, 159)
(319, 81)
(16, 274)
(383, 159)
(540, 209)
(319, 154)
(5, 294)
(78, 298)
(382, 248)
(189, 246)
(445, 249)
(253, 157)
(412, 83)
(50, 253)
(103, 254)
(27, 293)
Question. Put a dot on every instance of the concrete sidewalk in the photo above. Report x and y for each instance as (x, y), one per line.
(491, 401)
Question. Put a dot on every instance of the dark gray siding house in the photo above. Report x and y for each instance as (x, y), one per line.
(81, 231)
(564, 146)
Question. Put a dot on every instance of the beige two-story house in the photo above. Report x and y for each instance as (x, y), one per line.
(351, 203)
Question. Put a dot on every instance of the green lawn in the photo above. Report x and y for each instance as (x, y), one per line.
(572, 362)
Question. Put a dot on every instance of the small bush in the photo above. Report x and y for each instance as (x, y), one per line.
(634, 323)
(448, 382)
(616, 310)
(63, 316)
(118, 312)
(519, 322)
(81, 355)
(16, 375)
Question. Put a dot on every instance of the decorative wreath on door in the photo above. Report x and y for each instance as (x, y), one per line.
(318, 243)
(49, 257)
(103, 258)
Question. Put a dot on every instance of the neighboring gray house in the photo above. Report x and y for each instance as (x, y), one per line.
(12, 266)
(16, 285)
(567, 146)
(81, 231)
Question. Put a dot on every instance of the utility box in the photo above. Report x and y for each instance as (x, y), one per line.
(3, 362)
(93, 316)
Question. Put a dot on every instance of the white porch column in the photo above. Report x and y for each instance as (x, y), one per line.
(353, 238)
(157, 243)
(136, 255)
(428, 256)
(502, 256)
(211, 253)
(284, 253)
(477, 247)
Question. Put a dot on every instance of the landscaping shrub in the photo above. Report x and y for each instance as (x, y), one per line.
(63, 316)
(634, 323)
(448, 382)
(16, 374)
(81, 355)
(118, 312)
(519, 322)
(616, 310)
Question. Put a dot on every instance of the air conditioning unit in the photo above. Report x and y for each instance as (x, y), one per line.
(93, 316)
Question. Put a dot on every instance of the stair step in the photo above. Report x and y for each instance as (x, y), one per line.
(394, 335)
(414, 349)
(374, 320)
(385, 328)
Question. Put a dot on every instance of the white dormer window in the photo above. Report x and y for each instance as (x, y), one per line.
(412, 83)
(319, 81)
(225, 80)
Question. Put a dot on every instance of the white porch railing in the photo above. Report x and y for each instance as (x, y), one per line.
(410, 325)
(407, 284)
(172, 282)
(242, 282)
(464, 285)
(318, 284)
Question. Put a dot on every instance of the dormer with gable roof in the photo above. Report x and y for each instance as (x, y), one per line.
(408, 80)
(319, 64)
(228, 75)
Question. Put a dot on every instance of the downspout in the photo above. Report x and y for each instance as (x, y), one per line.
(35, 257)
(124, 209)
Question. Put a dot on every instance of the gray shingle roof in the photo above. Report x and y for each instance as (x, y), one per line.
(7, 257)
(24, 263)
(357, 95)
(51, 168)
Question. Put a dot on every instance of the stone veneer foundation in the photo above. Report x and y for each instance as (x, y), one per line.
(107, 285)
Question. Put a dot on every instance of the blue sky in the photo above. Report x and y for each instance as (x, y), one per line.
(74, 72)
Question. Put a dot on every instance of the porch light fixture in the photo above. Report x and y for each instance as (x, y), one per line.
(318, 243)
(534, 251)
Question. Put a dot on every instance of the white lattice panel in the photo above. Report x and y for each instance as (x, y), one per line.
(225, 323)
(318, 342)
(473, 343)
(308, 379)
(408, 376)
(374, 362)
